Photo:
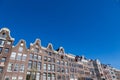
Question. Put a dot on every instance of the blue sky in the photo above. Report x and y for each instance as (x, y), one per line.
(82, 27)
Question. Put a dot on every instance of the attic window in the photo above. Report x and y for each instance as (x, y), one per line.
(4, 35)
(61, 51)
(21, 43)
(50, 47)
(62, 57)
(36, 50)
(37, 44)
(20, 49)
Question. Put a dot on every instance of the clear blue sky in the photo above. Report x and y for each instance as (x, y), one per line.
(82, 27)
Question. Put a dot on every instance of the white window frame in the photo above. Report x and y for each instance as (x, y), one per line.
(14, 78)
(13, 55)
(19, 56)
(20, 49)
(24, 57)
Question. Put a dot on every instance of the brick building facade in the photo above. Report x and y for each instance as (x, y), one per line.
(43, 63)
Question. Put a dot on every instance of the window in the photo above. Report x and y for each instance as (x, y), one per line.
(71, 75)
(63, 77)
(66, 63)
(22, 68)
(35, 65)
(19, 56)
(3, 59)
(31, 56)
(1, 69)
(38, 76)
(80, 66)
(21, 43)
(20, 78)
(58, 69)
(39, 58)
(53, 60)
(113, 76)
(16, 67)
(63, 70)
(69, 64)
(30, 65)
(76, 70)
(62, 62)
(49, 59)
(45, 67)
(9, 43)
(36, 50)
(60, 52)
(10, 67)
(53, 76)
(49, 53)
(44, 76)
(0, 49)
(46, 52)
(24, 57)
(58, 77)
(53, 67)
(13, 54)
(39, 66)
(62, 57)
(49, 67)
(1, 42)
(67, 77)
(4, 35)
(72, 69)
(33, 75)
(45, 58)
(28, 76)
(58, 61)
(58, 56)
(20, 49)
(66, 70)
(6, 50)
(2, 62)
(65, 57)
(35, 57)
(7, 78)
(14, 78)
(49, 75)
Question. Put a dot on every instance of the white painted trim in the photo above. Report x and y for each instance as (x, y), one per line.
(6, 29)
